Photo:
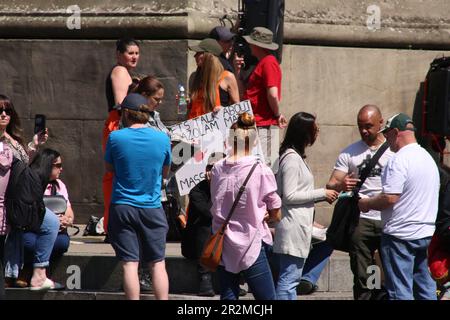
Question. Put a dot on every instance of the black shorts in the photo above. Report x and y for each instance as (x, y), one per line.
(137, 234)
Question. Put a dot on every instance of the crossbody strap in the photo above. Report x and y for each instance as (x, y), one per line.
(236, 200)
(366, 171)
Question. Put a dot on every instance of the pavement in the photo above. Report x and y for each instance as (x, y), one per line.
(101, 275)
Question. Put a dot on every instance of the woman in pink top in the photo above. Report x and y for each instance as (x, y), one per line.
(247, 234)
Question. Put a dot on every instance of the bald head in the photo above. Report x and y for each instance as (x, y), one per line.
(369, 110)
(369, 123)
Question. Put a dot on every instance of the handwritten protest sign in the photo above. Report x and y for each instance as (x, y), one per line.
(209, 133)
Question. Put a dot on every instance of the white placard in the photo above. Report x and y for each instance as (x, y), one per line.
(209, 133)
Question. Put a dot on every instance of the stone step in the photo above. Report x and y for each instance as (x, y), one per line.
(25, 294)
(91, 265)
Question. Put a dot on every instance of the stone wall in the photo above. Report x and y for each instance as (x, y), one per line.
(332, 65)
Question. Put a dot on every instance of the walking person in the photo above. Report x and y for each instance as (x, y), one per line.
(408, 205)
(296, 188)
(247, 235)
(139, 156)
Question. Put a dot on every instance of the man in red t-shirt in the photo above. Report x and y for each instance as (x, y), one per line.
(263, 87)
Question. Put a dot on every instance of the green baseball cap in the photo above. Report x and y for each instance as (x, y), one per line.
(208, 45)
(398, 121)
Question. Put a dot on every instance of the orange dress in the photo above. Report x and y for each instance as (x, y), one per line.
(197, 108)
(111, 124)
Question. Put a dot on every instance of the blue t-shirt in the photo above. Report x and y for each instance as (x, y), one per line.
(138, 156)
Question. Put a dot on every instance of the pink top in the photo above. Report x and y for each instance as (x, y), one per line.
(6, 157)
(246, 229)
(62, 190)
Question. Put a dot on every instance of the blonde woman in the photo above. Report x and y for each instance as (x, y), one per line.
(247, 235)
(211, 86)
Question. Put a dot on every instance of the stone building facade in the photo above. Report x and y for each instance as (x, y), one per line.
(336, 58)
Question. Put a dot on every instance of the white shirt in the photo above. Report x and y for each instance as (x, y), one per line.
(353, 159)
(413, 174)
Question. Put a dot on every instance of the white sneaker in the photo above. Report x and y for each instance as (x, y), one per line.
(319, 234)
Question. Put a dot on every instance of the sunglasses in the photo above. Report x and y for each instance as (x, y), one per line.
(8, 111)
(58, 165)
(157, 100)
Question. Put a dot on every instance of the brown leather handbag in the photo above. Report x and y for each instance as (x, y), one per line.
(212, 251)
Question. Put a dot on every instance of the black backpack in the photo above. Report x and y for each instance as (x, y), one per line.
(24, 195)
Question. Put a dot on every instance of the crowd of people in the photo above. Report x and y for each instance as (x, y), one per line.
(268, 240)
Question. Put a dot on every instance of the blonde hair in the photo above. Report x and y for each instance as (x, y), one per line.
(243, 132)
(140, 116)
(208, 81)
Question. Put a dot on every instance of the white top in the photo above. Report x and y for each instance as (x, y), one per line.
(413, 174)
(296, 188)
(353, 159)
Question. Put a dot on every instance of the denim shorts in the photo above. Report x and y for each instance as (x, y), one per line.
(137, 234)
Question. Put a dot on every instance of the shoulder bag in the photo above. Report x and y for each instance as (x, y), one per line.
(346, 211)
(212, 251)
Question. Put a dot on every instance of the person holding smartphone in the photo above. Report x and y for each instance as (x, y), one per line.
(10, 132)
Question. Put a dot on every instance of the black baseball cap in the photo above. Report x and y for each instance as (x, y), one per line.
(221, 33)
(133, 101)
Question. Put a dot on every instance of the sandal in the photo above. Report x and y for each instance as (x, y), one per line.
(48, 285)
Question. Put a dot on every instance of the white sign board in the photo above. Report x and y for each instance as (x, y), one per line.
(209, 133)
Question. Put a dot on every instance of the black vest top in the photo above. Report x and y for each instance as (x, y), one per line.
(109, 91)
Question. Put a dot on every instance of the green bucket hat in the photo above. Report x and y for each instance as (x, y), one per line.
(398, 121)
(261, 37)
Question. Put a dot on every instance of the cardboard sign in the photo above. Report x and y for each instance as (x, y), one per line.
(200, 137)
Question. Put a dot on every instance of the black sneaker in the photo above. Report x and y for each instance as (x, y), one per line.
(145, 283)
(305, 287)
(242, 292)
(206, 287)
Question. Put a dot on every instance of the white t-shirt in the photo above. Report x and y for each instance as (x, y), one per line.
(353, 159)
(413, 174)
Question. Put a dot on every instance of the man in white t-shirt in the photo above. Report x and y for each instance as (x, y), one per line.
(349, 165)
(408, 205)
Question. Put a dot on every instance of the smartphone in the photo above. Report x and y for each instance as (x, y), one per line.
(39, 123)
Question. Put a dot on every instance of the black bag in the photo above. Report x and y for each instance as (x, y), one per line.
(343, 224)
(346, 211)
(24, 203)
(172, 210)
(94, 227)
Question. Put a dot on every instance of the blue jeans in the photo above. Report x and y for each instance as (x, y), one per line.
(258, 278)
(316, 261)
(289, 277)
(61, 246)
(45, 239)
(406, 269)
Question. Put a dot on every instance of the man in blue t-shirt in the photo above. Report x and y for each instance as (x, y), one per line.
(139, 157)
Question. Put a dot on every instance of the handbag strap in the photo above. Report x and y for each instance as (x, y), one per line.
(366, 171)
(236, 200)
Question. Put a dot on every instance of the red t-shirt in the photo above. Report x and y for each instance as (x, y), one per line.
(267, 74)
